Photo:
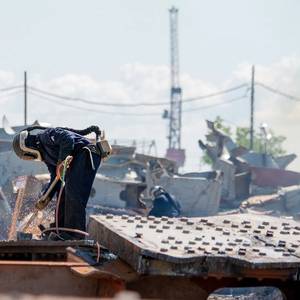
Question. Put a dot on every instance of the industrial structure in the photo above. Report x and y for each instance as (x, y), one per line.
(237, 233)
(174, 150)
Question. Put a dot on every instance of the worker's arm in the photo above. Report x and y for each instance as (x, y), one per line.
(64, 140)
(44, 199)
(52, 171)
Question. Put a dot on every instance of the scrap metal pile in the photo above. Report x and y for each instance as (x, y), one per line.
(123, 180)
(199, 252)
(248, 176)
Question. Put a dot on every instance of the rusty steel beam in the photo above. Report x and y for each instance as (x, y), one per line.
(41, 250)
(56, 278)
(12, 233)
(75, 274)
(243, 246)
(41, 245)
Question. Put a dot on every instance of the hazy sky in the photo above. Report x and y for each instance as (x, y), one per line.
(118, 51)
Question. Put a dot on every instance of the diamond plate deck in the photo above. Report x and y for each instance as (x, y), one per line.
(233, 245)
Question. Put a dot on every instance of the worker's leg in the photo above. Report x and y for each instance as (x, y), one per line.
(79, 181)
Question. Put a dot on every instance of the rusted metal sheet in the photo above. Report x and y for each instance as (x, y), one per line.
(33, 249)
(126, 295)
(18, 204)
(177, 155)
(237, 163)
(274, 177)
(263, 203)
(53, 278)
(53, 268)
(236, 245)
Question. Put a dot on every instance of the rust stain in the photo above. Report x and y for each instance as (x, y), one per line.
(17, 208)
(262, 176)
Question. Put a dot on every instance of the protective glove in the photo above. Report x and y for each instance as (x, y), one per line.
(42, 202)
(61, 165)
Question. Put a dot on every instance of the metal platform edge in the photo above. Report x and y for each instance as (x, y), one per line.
(147, 262)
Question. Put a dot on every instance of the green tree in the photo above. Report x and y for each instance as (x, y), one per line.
(272, 145)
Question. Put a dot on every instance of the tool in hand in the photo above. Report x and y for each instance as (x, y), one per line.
(45, 199)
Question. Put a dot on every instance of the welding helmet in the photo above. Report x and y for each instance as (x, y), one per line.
(155, 191)
(26, 144)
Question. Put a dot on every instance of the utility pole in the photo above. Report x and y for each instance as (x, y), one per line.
(174, 151)
(25, 98)
(252, 108)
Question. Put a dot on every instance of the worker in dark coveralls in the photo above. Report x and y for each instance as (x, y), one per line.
(53, 146)
(163, 203)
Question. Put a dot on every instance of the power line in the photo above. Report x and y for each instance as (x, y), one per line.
(120, 104)
(192, 99)
(186, 100)
(76, 99)
(6, 89)
(278, 92)
(10, 93)
(91, 109)
(215, 104)
(133, 114)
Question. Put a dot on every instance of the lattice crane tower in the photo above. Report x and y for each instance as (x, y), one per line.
(174, 151)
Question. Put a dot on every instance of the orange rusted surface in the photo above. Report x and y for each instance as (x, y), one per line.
(51, 268)
(17, 208)
(57, 278)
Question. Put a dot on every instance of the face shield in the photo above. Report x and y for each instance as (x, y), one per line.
(29, 153)
(24, 151)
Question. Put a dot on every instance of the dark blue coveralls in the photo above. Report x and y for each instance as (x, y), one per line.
(55, 144)
(165, 205)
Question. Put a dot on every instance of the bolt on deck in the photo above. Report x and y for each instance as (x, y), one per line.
(232, 245)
